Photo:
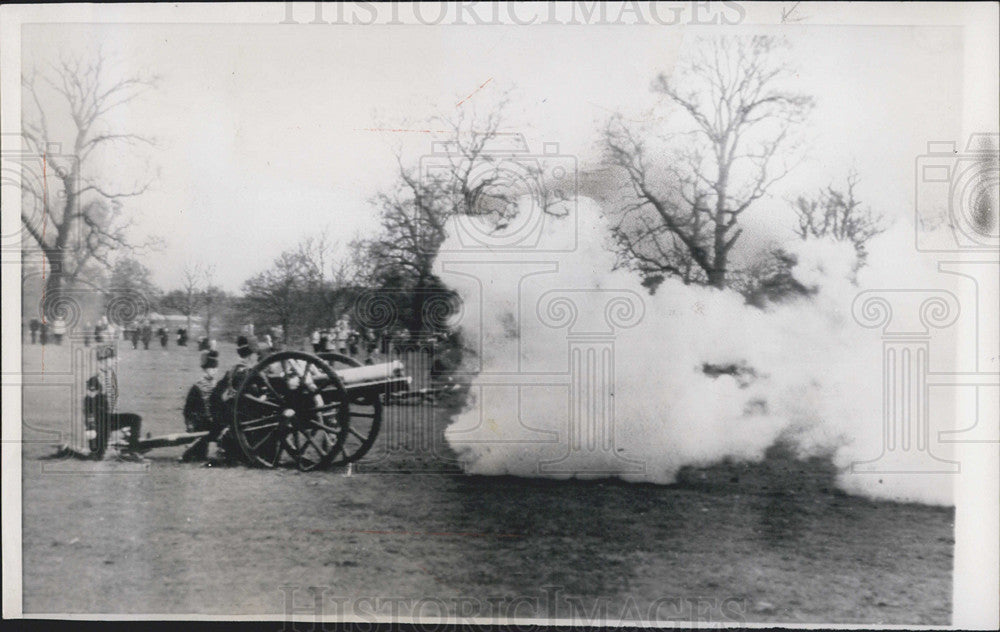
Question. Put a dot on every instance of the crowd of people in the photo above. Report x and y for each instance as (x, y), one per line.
(44, 332)
(143, 332)
(343, 339)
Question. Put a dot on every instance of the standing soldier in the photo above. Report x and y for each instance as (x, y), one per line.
(162, 333)
(33, 326)
(43, 333)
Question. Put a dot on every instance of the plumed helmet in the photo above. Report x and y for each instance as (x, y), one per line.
(244, 347)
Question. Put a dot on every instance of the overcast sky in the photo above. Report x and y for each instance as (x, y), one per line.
(264, 131)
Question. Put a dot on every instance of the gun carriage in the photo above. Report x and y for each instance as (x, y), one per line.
(310, 411)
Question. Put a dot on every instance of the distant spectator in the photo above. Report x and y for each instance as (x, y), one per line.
(146, 334)
(43, 333)
(33, 326)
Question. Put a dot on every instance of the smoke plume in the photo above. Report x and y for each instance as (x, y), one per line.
(803, 371)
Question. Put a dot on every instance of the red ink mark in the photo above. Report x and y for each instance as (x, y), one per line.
(45, 223)
(474, 92)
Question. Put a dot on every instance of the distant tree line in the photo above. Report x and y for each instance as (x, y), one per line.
(685, 184)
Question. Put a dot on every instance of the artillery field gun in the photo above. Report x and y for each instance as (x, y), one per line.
(295, 408)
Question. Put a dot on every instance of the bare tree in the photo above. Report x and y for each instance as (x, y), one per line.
(79, 217)
(306, 287)
(213, 300)
(681, 208)
(189, 299)
(471, 173)
(837, 213)
(129, 278)
(328, 278)
(276, 295)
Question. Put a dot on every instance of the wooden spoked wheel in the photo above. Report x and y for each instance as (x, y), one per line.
(291, 409)
(365, 420)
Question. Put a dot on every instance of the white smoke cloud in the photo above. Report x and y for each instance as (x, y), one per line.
(817, 373)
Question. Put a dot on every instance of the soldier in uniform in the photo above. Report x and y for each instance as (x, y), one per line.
(223, 398)
(100, 409)
(197, 411)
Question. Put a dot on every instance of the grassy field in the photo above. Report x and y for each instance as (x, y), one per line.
(408, 534)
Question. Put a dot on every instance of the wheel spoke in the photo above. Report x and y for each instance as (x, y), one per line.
(321, 426)
(255, 447)
(258, 400)
(248, 426)
(280, 443)
(270, 388)
(325, 408)
(294, 367)
(319, 450)
(357, 434)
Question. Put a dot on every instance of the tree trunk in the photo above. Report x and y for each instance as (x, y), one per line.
(55, 280)
(717, 277)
